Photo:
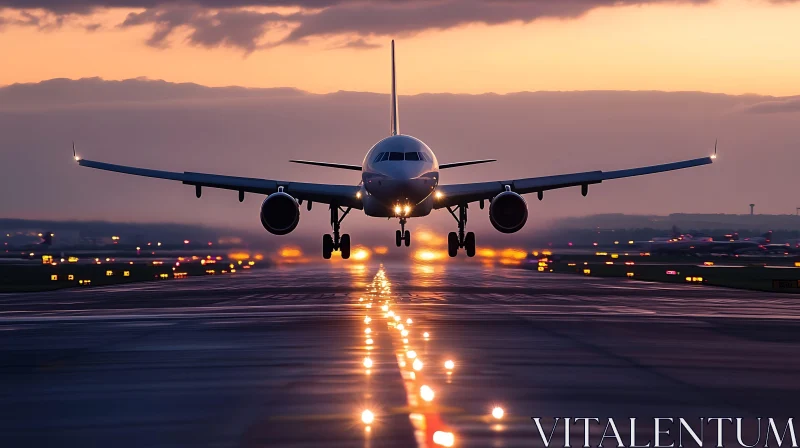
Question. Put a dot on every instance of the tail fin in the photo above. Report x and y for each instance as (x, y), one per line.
(395, 119)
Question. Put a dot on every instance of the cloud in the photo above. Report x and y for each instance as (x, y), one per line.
(783, 105)
(215, 23)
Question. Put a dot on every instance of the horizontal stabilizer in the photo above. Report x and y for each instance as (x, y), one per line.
(471, 162)
(342, 166)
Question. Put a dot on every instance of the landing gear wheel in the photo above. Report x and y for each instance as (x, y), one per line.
(469, 244)
(344, 246)
(452, 244)
(398, 238)
(327, 246)
(408, 238)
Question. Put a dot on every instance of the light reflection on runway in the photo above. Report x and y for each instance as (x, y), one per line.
(281, 357)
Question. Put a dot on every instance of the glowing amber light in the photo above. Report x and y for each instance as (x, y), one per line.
(444, 438)
(417, 365)
(367, 362)
(411, 354)
(449, 364)
(426, 393)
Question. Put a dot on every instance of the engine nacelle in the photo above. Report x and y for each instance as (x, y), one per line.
(280, 213)
(508, 212)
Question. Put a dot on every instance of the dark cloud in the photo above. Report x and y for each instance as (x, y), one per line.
(212, 23)
(359, 44)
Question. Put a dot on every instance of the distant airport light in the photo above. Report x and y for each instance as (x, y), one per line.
(404, 333)
(708, 263)
(385, 308)
(367, 417)
(426, 335)
(409, 321)
(417, 365)
(54, 277)
(449, 364)
(401, 327)
(367, 320)
(369, 341)
(411, 354)
(587, 271)
(185, 241)
(426, 393)
(498, 412)
(367, 362)
(444, 438)
(397, 318)
(368, 331)
(671, 272)
(630, 274)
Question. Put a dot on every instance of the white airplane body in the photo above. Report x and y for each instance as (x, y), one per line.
(399, 179)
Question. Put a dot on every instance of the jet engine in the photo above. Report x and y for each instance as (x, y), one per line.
(280, 213)
(508, 212)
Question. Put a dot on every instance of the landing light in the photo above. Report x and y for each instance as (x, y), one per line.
(367, 417)
(397, 209)
(358, 195)
(407, 209)
(439, 195)
(498, 412)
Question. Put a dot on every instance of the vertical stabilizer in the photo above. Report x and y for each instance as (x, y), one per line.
(395, 119)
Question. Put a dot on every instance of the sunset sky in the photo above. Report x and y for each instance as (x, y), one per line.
(581, 57)
(457, 46)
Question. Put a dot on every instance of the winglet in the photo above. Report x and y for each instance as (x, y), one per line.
(714, 156)
(74, 155)
(395, 125)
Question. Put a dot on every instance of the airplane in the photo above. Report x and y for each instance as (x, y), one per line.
(400, 178)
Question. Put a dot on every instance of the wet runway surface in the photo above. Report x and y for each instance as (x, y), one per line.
(283, 357)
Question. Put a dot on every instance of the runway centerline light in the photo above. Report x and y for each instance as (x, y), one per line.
(411, 354)
(444, 438)
(449, 364)
(368, 330)
(417, 365)
(367, 362)
(426, 393)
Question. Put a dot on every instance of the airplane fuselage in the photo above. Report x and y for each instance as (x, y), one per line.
(399, 175)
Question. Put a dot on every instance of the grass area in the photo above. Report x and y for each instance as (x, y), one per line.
(742, 275)
(43, 277)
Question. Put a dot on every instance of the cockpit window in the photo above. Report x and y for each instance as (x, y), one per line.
(385, 156)
(396, 156)
(424, 157)
(378, 157)
(412, 156)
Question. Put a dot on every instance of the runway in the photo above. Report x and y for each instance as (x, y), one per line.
(277, 357)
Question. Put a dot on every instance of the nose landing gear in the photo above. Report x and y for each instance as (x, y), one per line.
(403, 235)
(336, 242)
(460, 239)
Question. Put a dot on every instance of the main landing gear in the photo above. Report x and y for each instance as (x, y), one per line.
(335, 242)
(402, 235)
(460, 239)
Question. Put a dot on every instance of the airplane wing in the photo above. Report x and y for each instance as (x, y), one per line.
(470, 162)
(342, 166)
(342, 195)
(459, 194)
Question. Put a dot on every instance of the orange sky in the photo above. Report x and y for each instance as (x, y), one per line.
(729, 46)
